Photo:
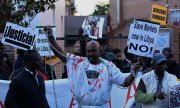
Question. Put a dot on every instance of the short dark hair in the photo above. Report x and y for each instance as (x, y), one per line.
(116, 50)
(28, 55)
(128, 55)
(167, 49)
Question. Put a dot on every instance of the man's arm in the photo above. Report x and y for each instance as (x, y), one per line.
(54, 46)
(134, 69)
(141, 95)
(128, 81)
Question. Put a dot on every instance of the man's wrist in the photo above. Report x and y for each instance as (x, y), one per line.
(133, 73)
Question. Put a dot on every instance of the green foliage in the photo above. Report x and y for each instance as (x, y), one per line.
(101, 9)
(16, 11)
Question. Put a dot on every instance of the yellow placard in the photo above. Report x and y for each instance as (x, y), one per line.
(51, 60)
(159, 14)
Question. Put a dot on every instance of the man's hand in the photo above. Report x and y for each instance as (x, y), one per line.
(135, 68)
(48, 30)
(160, 95)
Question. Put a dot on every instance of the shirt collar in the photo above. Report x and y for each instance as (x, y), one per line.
(31, 71)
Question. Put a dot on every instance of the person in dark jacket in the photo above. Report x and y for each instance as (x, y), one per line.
(27, 89)
(172, 66)
(4, 69)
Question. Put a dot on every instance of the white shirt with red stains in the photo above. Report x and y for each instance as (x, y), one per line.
(91, 84)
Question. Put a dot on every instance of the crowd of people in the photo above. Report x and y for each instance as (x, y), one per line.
(91, 70)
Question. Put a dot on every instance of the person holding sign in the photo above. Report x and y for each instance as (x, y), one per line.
(153, 89)
(91, 77)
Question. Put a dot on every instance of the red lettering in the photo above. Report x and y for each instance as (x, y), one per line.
(1, 104)
(128, 94)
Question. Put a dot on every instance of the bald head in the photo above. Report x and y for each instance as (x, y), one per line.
(93, 51)
(93, 43)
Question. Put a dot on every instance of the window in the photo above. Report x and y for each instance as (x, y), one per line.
(174, 17)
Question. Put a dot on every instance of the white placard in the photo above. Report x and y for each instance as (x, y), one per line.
(42, 43)
(142, 38)
(163, 40)
(93, 27)
(18, 36)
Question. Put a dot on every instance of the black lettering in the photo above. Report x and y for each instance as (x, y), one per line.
(143, 48)
(159, 11)
(24, 37)
(19, 36)
(33, 40)
(138, 26)
(30, 39)
(131, 45)
(11, 33)
(16, 34)
(6, 31)
(150, 28)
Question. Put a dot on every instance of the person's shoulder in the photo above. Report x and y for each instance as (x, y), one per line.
(171, 76)
(104, 60)
(22, 74)
(148, 74)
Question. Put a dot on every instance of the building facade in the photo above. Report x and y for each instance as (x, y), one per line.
(123, 13)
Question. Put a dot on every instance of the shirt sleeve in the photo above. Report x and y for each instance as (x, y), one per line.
(116, 76)
(144, 98)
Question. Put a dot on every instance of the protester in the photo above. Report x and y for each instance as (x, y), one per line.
(77, 48)
(167, 51)
(146, 65)
(5, 57)
(153, 89)
(90, 77)
(128, 61)
(27, 89)
(4, 69)
(118, 53)
(172, 67)
(19, 61)
(112, 57)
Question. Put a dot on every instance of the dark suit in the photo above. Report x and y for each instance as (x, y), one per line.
(25, 92)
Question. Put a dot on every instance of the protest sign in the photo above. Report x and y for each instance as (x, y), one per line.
(18, 36)
(159, 14)
(52, 60)
(142, 37)
(93, 27)
(42, 43)
(174, 17)
(163, 40)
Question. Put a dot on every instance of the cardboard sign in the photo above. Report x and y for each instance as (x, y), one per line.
(174, 17)
(42, 43)
(52, 60)
(163, 40)
(93, 27)
(142, 37)
(18, 36)
(159, 14)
